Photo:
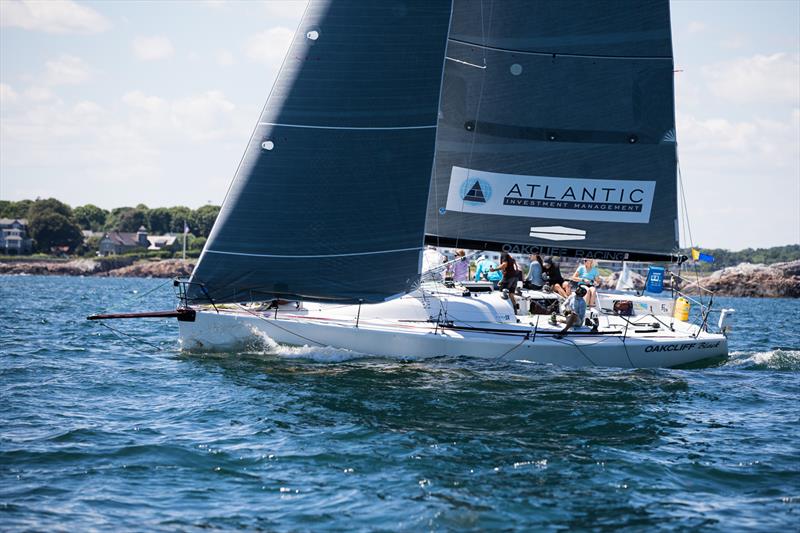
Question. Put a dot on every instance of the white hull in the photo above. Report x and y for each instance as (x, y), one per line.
(451, 325)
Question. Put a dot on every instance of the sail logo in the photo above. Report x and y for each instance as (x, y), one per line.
(475, 191)
(565, 198)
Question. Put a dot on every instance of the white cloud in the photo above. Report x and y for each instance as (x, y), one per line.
(66, 70)
(224, 58)
(139, 100)
(696, 26)
(39, 94)
(269, 47)
(757, 79)
(198, 117)
(152, 48)
(749, 168)
(52, 16)
(290, 9)
(7, 94)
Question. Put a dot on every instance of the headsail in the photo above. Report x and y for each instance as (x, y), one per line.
(329, 200)
(557, 129)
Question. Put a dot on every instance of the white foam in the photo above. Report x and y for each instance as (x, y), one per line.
(324, 354)
(779, 359)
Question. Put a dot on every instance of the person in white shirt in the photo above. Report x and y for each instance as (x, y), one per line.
(575, 308)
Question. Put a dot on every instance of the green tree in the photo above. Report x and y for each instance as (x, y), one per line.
(15, 209)
(204, 218)
(131, 220)
(51, 228)
(90, 217)
(160, 219)
(112, 219)
(49, 205)
(181, 214)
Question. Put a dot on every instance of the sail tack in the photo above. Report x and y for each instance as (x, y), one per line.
(557, 114)
(329, 200)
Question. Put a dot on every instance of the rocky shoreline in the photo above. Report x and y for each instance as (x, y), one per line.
(779, 280)
(108, 267)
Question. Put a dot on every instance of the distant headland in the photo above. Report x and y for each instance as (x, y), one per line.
(48, 237)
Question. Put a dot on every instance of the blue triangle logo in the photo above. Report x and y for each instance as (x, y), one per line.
(475, 194)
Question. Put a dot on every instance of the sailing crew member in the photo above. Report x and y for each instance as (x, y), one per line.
(487, 270)
(511, 275)
(585, 274)
(551, 274)
(575, 309)
(533, 280)
(460, 266)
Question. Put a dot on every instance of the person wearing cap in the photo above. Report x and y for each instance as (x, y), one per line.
(551, 274)
(487, 270)
(575, 309)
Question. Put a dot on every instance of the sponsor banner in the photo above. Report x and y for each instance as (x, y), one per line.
(602, 200)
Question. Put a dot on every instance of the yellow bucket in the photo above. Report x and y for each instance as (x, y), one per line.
(682, 306)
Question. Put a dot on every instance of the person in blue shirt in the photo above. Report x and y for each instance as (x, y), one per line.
(586, 275)
(487, 270)
(534, 279)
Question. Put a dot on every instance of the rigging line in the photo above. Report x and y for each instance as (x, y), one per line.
(357, 128)
(688, 227)
(315, 256)
(137, 339)
(484, 38)
(274, 323)
(512, 348)
(564, 340)
(140, 296)
(433, 183)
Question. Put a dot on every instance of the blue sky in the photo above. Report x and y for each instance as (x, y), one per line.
(119, 103)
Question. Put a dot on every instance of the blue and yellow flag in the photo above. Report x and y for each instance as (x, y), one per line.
(698, 256)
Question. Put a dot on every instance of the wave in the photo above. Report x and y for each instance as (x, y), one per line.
(323, 354)
(785, 359)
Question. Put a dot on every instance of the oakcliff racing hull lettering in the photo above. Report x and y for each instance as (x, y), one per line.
(603, 200)
(681, 347)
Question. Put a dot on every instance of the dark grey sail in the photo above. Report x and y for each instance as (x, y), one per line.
(329, 200)
(557, 130)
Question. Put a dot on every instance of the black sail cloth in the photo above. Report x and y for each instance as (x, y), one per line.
(329, 200)
(557, 130)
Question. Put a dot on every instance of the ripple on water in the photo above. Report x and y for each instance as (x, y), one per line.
(101, 432)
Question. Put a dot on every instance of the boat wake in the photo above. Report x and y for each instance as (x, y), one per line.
(321, 354)
(783, 358)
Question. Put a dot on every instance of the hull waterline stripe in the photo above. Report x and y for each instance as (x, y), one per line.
(346, 127)
(416, 248)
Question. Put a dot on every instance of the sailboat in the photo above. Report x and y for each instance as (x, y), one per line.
(516, 126)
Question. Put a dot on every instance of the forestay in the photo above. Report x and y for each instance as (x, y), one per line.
(329, 199)
(557, 130)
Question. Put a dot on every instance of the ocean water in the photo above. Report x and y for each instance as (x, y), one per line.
(118, 430)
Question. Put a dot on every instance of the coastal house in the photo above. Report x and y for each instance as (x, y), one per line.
(163, 242)
(118, 242)
(14, 236)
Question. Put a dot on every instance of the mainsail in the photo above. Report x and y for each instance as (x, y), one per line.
(557, 130)
(329, 199)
